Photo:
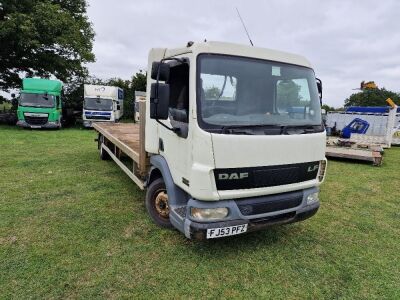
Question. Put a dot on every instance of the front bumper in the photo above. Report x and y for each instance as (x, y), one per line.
(256, 212)
(48, 125)
(198, 231)
(89, 123)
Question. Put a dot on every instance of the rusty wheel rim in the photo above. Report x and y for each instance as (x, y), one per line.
(161, 204)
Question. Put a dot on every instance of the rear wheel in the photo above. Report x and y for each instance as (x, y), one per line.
(104, 154)
(157, 203)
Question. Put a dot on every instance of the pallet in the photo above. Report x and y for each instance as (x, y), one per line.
(356, 154)
(345, 148)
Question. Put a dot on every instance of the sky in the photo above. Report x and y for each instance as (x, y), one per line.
(345, 41)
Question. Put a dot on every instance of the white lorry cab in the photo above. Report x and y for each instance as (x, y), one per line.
(102, 103)
(232, 142)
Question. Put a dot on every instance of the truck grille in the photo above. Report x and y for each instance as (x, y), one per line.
(36, 120)
(257, 177)
(271, 203)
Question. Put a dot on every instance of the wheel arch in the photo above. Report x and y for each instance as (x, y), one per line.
(160, 169)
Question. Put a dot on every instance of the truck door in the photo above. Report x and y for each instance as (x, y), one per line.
(176, 147)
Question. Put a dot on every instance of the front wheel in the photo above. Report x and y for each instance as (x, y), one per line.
(157, 203)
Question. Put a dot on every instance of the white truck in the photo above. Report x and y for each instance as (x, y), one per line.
(232, 141)
(102, 103)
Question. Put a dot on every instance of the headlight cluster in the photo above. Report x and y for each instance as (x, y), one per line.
(209, 214)
(312, 198)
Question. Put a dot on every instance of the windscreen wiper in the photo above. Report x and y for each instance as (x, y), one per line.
(244, 129)
(307, 128)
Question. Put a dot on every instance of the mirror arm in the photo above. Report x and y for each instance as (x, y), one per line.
(175, 130)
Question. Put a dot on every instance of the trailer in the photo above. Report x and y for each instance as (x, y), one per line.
(346, 149)
(221, 164)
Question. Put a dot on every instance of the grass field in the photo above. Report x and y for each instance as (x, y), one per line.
(73, 226)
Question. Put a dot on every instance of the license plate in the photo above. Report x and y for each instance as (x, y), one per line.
(213, 233)
(35, 126)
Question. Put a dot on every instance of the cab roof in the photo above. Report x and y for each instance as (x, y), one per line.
(240, 50)
(41, 85)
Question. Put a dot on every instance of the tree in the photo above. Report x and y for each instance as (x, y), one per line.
(139, 81)
(328, 108)
(44, 38)
(371, 97)
(212, 93)
(288, 93)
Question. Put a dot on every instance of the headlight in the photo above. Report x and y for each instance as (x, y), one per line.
(312, 198)
(321, 170)
(209, 214)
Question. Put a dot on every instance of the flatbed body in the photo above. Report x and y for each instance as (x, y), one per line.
(125, 144)
(124, 135)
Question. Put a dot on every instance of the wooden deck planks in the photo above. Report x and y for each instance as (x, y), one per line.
(124, 135)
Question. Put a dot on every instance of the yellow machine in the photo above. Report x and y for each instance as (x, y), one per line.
(368, 85)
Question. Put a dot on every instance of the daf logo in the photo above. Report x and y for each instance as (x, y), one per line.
(232, 176)
(312, 168)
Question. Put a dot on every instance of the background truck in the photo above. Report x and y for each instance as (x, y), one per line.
(40, 103)
(224, 148)
(102, 103)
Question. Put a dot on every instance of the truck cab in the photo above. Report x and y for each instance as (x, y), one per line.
(235, 138)
(40, 103)
(102, 104)
(232, 139)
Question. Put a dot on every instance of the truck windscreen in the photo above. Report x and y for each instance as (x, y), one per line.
(36, 100)
(244, 92)
(98, 104)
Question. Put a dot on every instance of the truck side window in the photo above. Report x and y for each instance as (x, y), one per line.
(179, 93)
(58, 102)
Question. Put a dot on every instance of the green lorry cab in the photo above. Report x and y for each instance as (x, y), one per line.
(39, 103)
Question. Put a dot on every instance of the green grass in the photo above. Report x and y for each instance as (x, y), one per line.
(5, 106)
(72, 226)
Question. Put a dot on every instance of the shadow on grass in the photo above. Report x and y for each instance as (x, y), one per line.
(268, 237)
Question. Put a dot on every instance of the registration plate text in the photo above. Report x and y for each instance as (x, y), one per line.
(213, 233)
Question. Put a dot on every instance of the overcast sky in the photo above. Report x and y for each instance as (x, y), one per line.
(346, 41)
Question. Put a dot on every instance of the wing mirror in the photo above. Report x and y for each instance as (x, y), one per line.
(160, 71)
(159, 92)
(159, 101)
(319, 87)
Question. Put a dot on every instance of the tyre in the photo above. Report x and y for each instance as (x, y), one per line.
(157, 203)
(104, 154)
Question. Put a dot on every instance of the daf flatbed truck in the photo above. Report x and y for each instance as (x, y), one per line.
(232, 140)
